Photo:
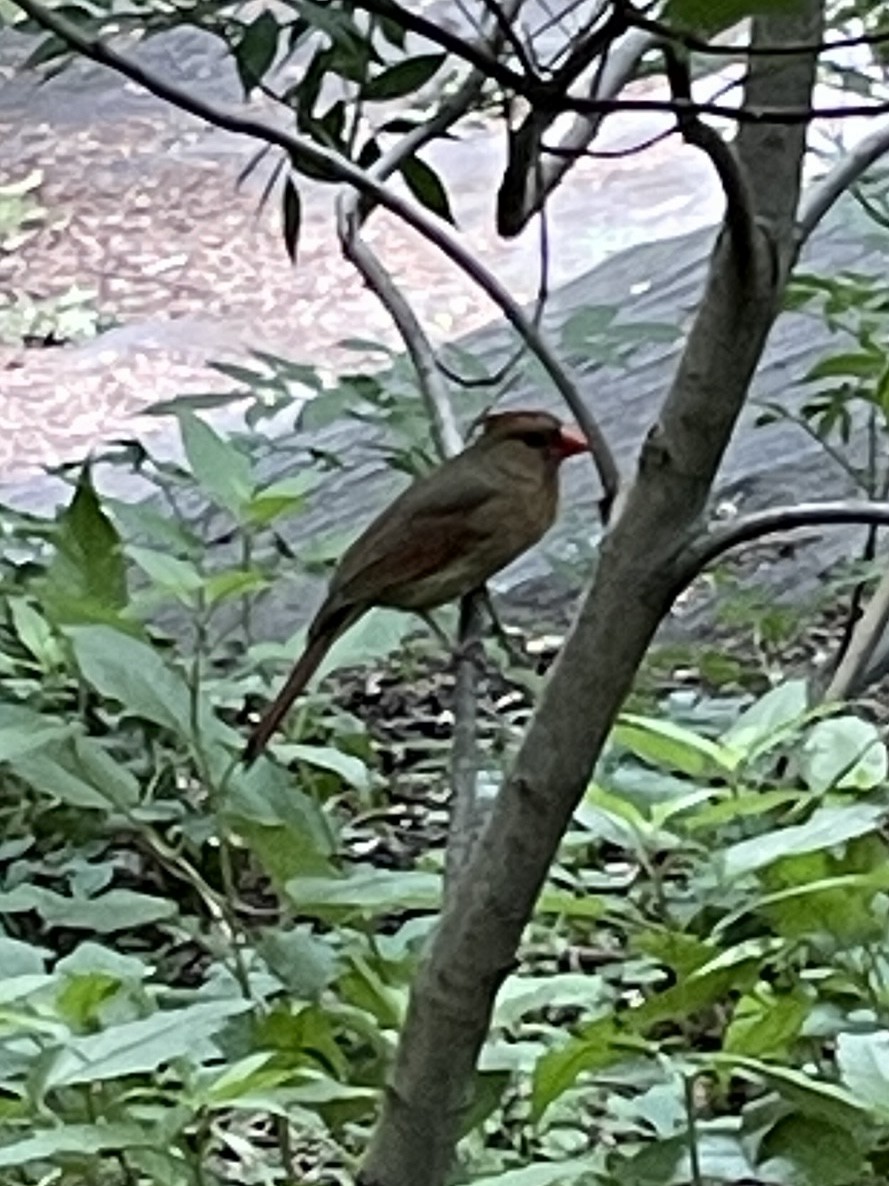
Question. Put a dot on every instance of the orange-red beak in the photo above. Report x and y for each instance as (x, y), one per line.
(572, 442)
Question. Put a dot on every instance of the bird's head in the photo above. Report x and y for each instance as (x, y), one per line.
(531, 435)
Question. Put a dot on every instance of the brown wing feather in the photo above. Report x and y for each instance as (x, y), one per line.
(434, 523)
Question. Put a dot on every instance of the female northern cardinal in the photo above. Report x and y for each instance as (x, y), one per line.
(445, 535)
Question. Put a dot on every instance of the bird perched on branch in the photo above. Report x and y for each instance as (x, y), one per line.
(444, 536)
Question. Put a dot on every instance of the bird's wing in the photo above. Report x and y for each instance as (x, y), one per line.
(430, 525)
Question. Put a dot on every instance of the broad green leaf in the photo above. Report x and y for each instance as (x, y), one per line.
(812, 1097)
(719, 1157)
(600, 1044)
(304, 963)
(857, 364)
(221, 470)
(373, 892)
(404, 78)
(79, 1140)
(707, 18)
(768, 720)
(580, 1171)
(819, 1153)
(765, 1024)
(350, 769)
(283, 826)
(863, 1062)
(843, 752)
(279, 498)
(521, 995)
(35, 633)
(256, 50)
(672, 747)
(87, 575)
(24, 731)
(222, 586)
(134, 674)
(18, 958)
(79, 771)
(426, 186)
(137, 1047)
(827, 827)
(116, 910)
(179, 577)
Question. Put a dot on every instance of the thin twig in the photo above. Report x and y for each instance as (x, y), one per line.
(824, 193)
(739, 207)
(302, 148)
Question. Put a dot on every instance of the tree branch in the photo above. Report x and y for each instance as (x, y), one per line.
(738, 198)
(825, 192)
(748, 528)
(300, 147)
(864, 645)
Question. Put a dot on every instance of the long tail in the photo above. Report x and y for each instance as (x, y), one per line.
(305, 668)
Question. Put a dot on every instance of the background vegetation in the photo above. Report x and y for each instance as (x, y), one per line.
(206, 972)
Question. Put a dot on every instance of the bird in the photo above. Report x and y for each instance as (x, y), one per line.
(444, 536)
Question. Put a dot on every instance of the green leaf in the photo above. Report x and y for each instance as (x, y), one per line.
(79, 1140)
(373, 892)
(821, 1154)
(222, 586)
(256, 50)
(291, 207)
(575, 1172)
(827, 827)
(134, 674)
(137, 1047)
(79, 771)
(425, 184)
(350, 769)
(116, 910)
(843, 752)
(672, 747)
(304, 963)
(87, 575)
(768, 721)
(220, 469)
(863, 1062)
(706, 18)
(810, 1096)
(600, 1044)
(404, 78)
(179, 577)
(23, 731)
(766, 1024)
(35, 633)
(855, 364)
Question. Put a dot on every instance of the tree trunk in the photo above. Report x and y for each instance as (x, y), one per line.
(475, 945)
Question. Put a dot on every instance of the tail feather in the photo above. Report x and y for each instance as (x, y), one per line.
(306, 666)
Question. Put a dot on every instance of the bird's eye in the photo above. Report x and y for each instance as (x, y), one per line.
(536, 440)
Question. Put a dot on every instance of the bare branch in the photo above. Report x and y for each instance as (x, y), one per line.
(531, 190)
(825, 192)
(467, 814)
(747, 528)
(864, 644)
(732, 176)
(302, 148)
(504, 23)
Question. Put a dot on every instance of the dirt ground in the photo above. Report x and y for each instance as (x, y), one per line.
(144, 211)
